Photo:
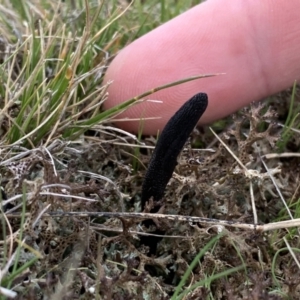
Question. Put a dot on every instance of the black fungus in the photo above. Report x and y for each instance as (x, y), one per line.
(169, 145)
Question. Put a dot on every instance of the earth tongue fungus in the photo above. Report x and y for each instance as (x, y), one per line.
(164, 157)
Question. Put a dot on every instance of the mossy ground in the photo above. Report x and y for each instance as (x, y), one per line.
(61, 154)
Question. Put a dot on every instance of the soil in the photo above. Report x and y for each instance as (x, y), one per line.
(101, 250)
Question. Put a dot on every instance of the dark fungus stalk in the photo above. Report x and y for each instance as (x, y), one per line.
(169, 145)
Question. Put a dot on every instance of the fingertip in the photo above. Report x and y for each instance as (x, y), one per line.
(208, 39)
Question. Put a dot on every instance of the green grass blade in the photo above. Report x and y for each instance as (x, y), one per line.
(193, 265)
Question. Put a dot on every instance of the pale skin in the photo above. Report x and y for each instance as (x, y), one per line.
(255, 42)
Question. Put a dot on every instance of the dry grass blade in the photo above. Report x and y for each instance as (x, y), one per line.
(175, 218)
(278, 190)
(292, 252)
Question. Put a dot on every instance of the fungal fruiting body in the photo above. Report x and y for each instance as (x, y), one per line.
(169, 145)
